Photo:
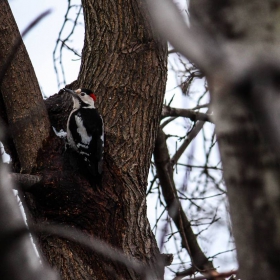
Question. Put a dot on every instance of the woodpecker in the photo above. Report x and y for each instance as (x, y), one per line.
(85, 132)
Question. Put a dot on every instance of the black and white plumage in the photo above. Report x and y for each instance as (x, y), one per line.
(85, 132)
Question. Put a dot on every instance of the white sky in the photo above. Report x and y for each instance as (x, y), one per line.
(40, 41)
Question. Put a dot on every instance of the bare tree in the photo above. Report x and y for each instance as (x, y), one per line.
(128, 71)
(208, 179)
(233, 49)
(198, 260)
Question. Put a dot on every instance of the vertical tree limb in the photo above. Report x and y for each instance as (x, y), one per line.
(25, 109)
(245, 100)
(251, 174)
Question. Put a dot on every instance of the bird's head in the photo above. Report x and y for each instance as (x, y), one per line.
(82, 97)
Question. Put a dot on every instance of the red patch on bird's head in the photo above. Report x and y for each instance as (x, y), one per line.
(93, 96)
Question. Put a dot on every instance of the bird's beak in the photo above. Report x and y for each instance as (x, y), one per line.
(72, 92)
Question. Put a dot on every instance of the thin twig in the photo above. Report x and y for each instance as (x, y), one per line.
(200, 166)
(69, 48)
(201, 106)
(167, 122)
(209, 277)
(63, 41)
(199, 125)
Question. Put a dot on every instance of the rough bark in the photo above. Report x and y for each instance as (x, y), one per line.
(25, 110)
(126, 68)
(251, 31)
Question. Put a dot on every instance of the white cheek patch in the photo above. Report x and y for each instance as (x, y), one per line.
(88, 100)
(82, 131)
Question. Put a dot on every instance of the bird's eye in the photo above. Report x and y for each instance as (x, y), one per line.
(82, 94)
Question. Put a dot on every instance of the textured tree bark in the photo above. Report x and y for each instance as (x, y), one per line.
(25, 110)
(126, 68)
(251, 170)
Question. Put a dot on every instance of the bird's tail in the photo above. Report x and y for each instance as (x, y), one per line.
(95, 176)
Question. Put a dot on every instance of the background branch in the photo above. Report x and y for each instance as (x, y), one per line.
(198, 126)
(214, 276)
(168, 111)
(175, 211)
(194, 44)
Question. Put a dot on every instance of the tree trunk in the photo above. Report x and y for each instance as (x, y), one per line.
(249, 32)
(126, 68)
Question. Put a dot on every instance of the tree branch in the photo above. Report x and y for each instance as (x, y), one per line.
(28, 112)
(210, 276)
(168, 111)
(201, 106)
(166, 122)
(187, 141)
(175, 211)
(26, 182)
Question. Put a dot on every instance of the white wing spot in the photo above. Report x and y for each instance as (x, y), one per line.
(102, 135)
(84, 153)
(80, 145)
(61, 133)
(70, 139)
(82, 131)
